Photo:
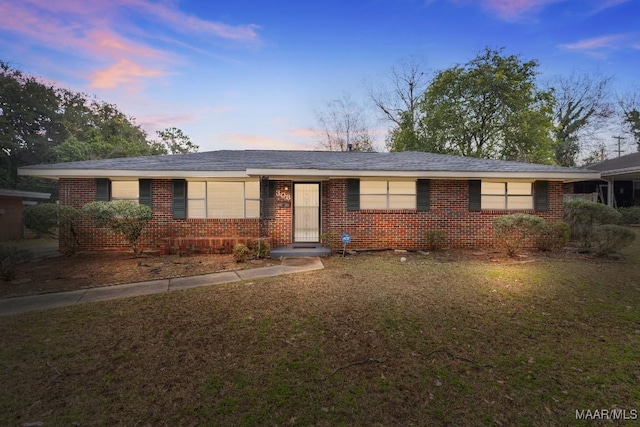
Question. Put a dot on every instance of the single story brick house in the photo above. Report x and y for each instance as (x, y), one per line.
(212, 200)
(12, 203)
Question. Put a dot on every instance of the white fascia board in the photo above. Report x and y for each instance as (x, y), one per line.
(27, 194)
(625, 171)
(558, 176)
(116, 173)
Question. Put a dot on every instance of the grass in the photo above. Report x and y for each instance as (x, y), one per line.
(367, 341)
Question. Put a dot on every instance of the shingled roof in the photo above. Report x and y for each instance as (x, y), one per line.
(307, 163)
(628, 164)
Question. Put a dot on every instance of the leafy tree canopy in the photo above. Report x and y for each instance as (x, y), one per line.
(40, 123)
(490, 107)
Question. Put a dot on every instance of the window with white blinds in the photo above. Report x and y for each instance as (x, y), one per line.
(222, 199)
(387, 194)
(125, 190)
(506, 195)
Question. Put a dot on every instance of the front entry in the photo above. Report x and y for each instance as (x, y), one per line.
(306, 212)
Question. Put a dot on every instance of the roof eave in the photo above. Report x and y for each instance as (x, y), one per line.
(308, 173)
(333, 173)
(115, 173)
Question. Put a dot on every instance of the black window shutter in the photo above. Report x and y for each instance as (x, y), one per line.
(103, 189)
(179, 199)
(353, 194)
(145, 192)
(267, 199)
(541, 195)
(423, 199)
(475, 195)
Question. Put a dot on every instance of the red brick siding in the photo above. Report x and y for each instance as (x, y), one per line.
(77, 192)
(404, 229)
(10, 218)
(370, 229)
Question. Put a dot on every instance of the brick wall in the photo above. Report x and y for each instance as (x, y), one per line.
(10, 218)
(160, 230)
(402, 229)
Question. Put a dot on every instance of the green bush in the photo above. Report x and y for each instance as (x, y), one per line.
(241, 252)
(630, 215)
(515, 230)
(42, 218)
(50, 219)
(123, 216)
(10, 257)
(435, 239)
(260, 248)
(610, 238)
(552, 235)
(583, 216)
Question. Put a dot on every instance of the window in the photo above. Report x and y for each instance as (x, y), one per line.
(387, 194)
(506, 195)
(219, 199)
(125, 190)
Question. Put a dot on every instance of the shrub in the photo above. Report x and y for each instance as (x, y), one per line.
(50, 219)
(552, 235)
(630, 215)
(241, 252)
(515, 230)
(122, 216)
(583, 216)
(260, 248)
(42, 218)
(435, 239)
(610, 238)
(10, 257)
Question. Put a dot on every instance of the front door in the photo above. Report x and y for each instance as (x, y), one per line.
(306, 212)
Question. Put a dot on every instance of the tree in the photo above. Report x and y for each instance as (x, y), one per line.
(40, 123)
(343, 126)
(398, 102)
(122, 216)
(630, 114)
(582, 107)
(30, 123)
(491, 108)
(173, 141)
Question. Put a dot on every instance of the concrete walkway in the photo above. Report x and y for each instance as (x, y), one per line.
(10, 306)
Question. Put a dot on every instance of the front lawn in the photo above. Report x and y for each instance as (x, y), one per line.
(368, 341)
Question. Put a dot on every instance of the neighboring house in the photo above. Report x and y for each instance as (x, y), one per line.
(12, 204)
(212, 200)
(620, 184)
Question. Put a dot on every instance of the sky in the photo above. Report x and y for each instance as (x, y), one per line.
(236, 74)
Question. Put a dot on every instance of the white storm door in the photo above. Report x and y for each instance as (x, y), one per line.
(306, 212)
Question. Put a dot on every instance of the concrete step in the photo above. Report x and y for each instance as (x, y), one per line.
(305, 251)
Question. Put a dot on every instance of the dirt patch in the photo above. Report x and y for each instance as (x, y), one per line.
(108, 268)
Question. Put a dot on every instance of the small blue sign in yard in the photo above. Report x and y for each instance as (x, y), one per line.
(346, 238)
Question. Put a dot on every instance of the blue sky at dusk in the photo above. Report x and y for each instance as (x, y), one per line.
(251, 74)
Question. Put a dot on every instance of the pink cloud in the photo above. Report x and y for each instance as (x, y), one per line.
(305, 133)
(246, 141)
(599, 46)
(514, 10)
(183, 22)
(100, 32)
(123, 72)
